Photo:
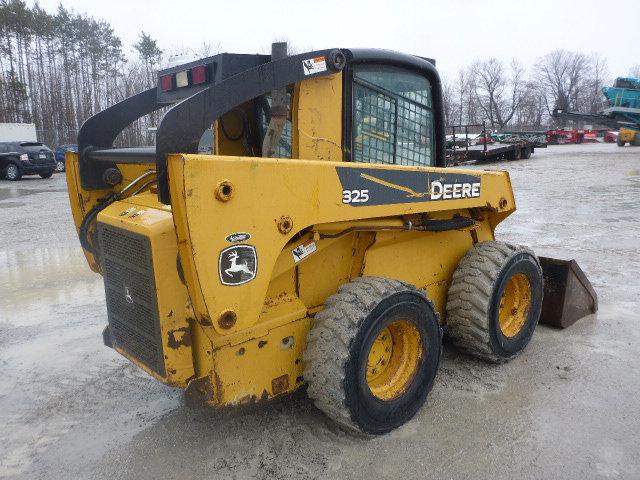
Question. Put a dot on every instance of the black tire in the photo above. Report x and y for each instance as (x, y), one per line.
(12, 172)
(46, 174)
(526, 153)
(514, 154)
(475, 297)
(338, 351)
(619, 141)
(636, 140)
(60, 166)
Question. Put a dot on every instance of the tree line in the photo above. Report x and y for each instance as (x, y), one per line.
(505, 97)
(57, 69)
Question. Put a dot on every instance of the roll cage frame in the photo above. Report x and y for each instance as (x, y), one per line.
(184, 123)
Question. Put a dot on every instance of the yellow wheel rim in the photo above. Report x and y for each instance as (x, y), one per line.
(394, 359)
(514, 305)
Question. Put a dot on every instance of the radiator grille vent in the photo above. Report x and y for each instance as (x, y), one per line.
(130, 293)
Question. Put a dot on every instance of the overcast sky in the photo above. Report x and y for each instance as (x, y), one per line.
(454, 32)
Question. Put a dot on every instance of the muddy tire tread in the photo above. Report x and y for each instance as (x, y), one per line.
(329, 341)
(469, 299)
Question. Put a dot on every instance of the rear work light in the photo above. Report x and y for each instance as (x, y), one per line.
(199, 75)
(166, 83)
(182, 79)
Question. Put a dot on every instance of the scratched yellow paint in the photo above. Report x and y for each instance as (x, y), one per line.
(259, 355)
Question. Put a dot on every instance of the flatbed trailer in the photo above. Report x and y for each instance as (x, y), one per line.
(512, 148)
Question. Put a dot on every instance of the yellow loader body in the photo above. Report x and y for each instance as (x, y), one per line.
(242, 275)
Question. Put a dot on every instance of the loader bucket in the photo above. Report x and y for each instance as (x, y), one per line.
(568, 294)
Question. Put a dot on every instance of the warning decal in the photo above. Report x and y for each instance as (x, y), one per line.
(314, 65)
(303, 251)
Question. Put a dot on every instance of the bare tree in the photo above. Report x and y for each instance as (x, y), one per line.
(592, 90)
(635, 71)
(562, 74)
(448, 100)
(498, 95)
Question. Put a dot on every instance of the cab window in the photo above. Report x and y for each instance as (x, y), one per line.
(392, 116)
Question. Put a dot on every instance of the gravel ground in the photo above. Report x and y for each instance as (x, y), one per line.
(567, 408)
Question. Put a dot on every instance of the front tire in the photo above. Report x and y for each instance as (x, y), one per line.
(12, 172)
(60, 166)
(47, 174)
(372, 354)
(494, 301)
(620, 142)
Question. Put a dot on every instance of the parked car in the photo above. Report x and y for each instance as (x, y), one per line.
(61, 152)
(26, 158)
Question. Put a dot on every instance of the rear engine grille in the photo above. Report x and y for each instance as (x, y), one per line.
(130, 293)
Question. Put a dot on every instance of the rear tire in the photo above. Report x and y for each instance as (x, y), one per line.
(372, 354)
(60, 166)
(620, 142)
(514, 154)
(12, 172)
(494, 301)
(46, 174)
(526, 153)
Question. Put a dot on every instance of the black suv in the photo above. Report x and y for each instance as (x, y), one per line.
(25, 158)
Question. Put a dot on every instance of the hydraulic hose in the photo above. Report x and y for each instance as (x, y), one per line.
(90, 217)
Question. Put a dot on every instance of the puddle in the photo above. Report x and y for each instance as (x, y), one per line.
(7, 193)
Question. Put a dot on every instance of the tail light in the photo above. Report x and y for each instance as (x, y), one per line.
(166, 83)
(199, 74)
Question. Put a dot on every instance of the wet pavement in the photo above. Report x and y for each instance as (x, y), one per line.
(567, 408)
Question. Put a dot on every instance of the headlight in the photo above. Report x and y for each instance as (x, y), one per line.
(24, 157)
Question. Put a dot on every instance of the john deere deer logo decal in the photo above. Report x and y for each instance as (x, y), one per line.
(238, 264)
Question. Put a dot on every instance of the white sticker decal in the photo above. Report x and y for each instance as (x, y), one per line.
(127, 211)
(314, 65)
(138, 213)
(303, 251)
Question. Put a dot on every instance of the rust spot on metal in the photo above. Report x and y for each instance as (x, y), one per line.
(299, 379)
(491, 207)
(280, 384)
(476, 214)
(240, 351)
(218, 389)
(247, 399)
(205, 320)
(199, 392)
(285, 224)
(227, 319)
(170, 314)
(503, 203)
(180, 337)
(224, 191)
(262, 343)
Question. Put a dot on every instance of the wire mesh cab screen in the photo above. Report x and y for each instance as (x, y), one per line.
(392, 116)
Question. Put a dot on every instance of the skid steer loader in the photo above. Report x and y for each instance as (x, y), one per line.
(322, 243)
